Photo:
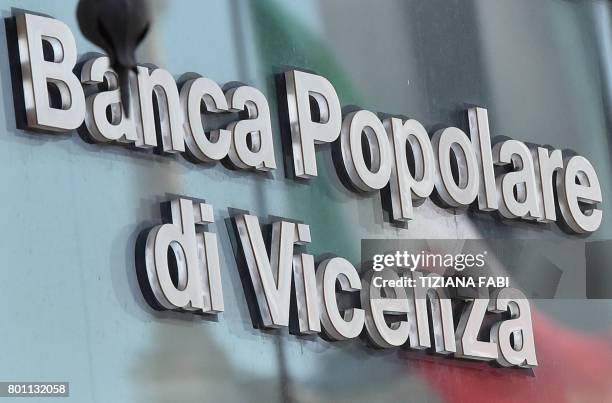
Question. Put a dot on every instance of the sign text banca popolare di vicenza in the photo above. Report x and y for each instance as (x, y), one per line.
(458, 167)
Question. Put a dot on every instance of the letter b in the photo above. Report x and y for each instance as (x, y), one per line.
(32, 32)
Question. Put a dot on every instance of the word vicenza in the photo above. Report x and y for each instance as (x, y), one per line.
(459, 168)
(189, 279)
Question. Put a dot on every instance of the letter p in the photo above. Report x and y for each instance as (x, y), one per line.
(308, 129)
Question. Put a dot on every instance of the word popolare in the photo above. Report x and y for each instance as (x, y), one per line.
(460, 169)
